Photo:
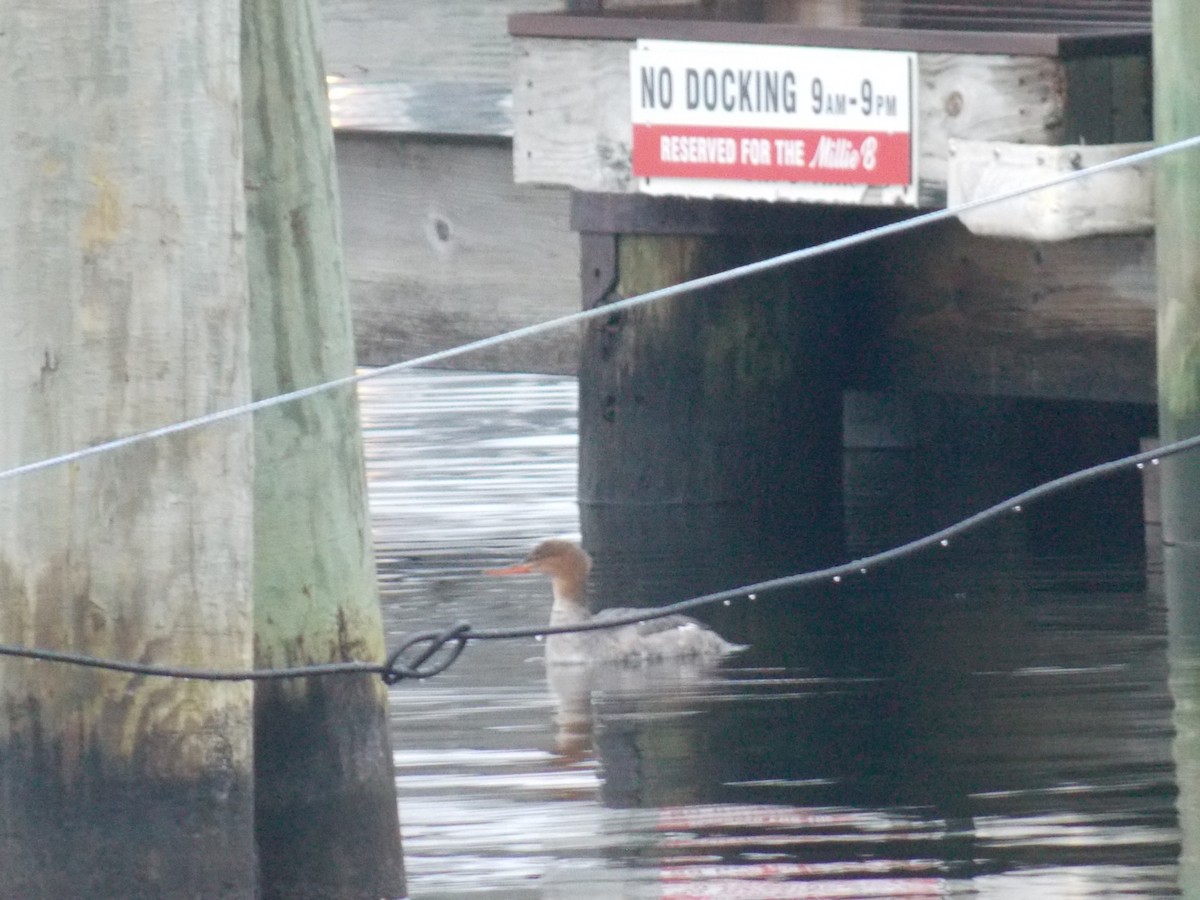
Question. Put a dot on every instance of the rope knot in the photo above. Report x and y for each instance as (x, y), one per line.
(397, 668)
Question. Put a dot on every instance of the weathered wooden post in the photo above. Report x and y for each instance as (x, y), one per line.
(326, 808)
(1177, 115)
(710, 423)
(124, 306)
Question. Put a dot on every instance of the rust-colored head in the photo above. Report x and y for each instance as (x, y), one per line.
(556, 558)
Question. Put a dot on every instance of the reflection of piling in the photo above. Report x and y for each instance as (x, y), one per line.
(325, 804)
(1177, 115)
(123, 298)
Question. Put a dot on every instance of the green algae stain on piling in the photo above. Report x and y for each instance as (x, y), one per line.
(128, 148)
(325, 795)
(326, 816)
(1177, 210)
(1179, 359)
(713, 412)
(742, 342)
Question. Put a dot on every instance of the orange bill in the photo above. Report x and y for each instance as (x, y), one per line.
(515, 569)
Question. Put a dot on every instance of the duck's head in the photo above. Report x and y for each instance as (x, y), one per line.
(556, 558)
(565, 562)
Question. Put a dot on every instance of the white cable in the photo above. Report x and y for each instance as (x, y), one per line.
(694, 284)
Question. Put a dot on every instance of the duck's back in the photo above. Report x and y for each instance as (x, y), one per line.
(666, 637)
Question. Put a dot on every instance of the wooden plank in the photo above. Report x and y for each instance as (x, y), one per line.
(1073, 320)
(572, 117)
(1118, 201)
(1061, 15)
(571, 107)
(815, 15)
(1018, 99)
(442, 248)
(1015, 15)
(434, 108)
(418, 41)
(684, 24)
(421, 66)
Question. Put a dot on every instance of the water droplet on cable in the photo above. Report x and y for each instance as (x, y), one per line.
(726, 603)
(862, 571)
(754, 596)
(1154, 462)
(1017, 508)
(945, 542)
(1141, 465)
(538, 637)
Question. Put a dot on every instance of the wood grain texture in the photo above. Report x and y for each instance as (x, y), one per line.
(1177, 116)
(1071, 320)
(1116, 201)
(572, 118)
(325, 806)
(1000, 98)
(442, 248)
(571, 114)
(421, 66)
(694, 410)
(123, 290)
(428, 107)
(416, 41)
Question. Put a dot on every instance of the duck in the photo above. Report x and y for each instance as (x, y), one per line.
(672, 637)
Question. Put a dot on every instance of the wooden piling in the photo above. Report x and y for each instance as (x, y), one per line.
(1177, 115)
(123, 298)
(325, 800)
(710, 423)
(1177, 201)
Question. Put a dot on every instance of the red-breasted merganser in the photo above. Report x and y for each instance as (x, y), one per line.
(670, 637)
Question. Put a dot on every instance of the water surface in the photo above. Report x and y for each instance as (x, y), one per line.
(990, 722)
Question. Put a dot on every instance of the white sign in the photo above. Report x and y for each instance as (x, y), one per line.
(770, 121)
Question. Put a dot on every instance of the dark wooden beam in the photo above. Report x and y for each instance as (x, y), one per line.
(669, 25)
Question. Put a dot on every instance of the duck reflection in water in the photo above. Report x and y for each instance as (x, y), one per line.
(655, 656)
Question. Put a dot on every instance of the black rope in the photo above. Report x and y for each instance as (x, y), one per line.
(397, 668)
(437, 649)
(394, 670)
(134, 668)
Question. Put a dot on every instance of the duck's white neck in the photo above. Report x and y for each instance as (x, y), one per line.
(570, 600)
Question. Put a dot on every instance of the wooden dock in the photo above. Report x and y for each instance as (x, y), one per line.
(459, 224)
(652, 118)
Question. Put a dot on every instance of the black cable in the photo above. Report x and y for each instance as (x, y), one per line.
(80, 659)
(860, 566)
(450, 642)
(395, 669)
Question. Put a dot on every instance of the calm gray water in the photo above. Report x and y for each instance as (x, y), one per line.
(990, 723)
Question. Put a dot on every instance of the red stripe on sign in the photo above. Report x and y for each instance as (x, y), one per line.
(770, 154)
